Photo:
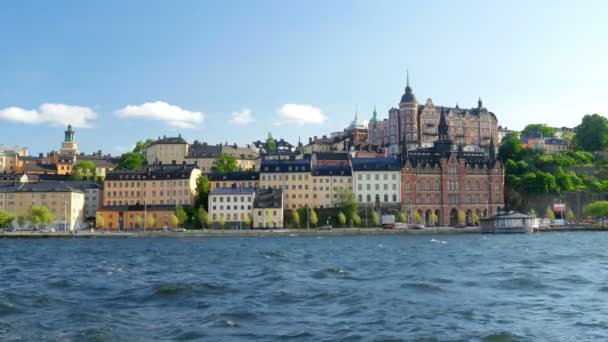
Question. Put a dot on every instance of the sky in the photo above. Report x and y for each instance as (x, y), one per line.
(232, 71)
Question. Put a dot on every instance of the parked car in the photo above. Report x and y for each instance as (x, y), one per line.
(418, 226)
(460, 225)
(400, 225)
(325, 227)
(179, 230)
(48, 230)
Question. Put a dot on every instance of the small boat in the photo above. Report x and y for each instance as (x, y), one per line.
(509, 222)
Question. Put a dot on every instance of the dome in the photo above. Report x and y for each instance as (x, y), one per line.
(356, 124)
(408, 96)
(374, 118)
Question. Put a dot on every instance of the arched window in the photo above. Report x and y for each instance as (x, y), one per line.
(419, 186)
(468, 185)
(419, 199)
(428, 199)
(468, 199)
(496, 187)
(427, 185)
(437, 185)
(485, 185)
(475, 185)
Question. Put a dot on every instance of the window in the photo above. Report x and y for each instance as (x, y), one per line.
(385, 198)
(369, 198)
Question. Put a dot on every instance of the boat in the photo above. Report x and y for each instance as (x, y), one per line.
(509, 222)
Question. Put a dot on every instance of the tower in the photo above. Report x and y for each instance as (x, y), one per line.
(407, 123)
(68, 146)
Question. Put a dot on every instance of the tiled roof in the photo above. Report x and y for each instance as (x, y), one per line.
(198, 150)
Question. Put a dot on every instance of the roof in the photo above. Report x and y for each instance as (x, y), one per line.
(84, 184)
(39, 167)
(169, 140)
(100, 161)
(268, 198)
(154, 171)
(51, 186)
(233, 191)
(504, 215)
(375, 164)
(203, 150)
(233, 176)
(556, 141)
(327, 170)
(53, 177)
(331, 156)
(140, 207)
(240, 152)
(10, 177)
(285, 165)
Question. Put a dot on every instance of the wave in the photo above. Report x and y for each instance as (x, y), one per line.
(503, 336)
(422, 287)
(331, 272)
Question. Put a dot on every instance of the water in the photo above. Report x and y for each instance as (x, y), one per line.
(541, 287)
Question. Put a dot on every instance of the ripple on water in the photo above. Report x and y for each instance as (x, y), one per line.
(422, 287)
(521, 283)
(503, 336)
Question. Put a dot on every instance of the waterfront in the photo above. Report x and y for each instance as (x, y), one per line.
(444, 287)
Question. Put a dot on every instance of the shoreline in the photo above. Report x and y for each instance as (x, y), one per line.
(270, 233)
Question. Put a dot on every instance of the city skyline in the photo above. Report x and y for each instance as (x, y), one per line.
(220, 73)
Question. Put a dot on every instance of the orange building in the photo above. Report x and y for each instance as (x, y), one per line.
(128, 217)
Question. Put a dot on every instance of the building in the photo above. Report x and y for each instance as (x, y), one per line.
(167, 150)
(281, 145)
(415, 125)
(9, 156)
(93, 194)
(503, 132)
(268, 209)
(203, 155)
(555, 145)
(327, 181)
(138, 216)
(69, 147)
(376, 180)
(292, 176)
(534, 140)
(234, 180)
(330, 159)
(65, 203)
(13, 178)
(232, 205)
(246, 157)
(103, 163)
(325, 144)
(446, 182)
(152, 184)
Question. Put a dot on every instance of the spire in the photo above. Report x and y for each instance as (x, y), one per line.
(356, 114)
(408, 78)
(408, 96)
(479, 103)
(443, 126)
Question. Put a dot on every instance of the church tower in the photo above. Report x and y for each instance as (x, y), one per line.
(68, 146)
(408, 117)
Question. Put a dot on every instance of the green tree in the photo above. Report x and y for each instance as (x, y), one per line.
(597, 209)
(99, 221)
(208, 221)
(6, 218)
(247, 220)
(142, 145)
(592, 133)
(543, 128)
(346, 201)
(356, 219)
(40, 215)
(510, 147)
(139, 221)
(202, 216)
(417, 218)
(550, 214)
(462, 217)
(532, 212)
(375, 218)
(314, 219)
(173, 221)
(85, 169)
(225, 163)
(341, 219)
(150, 222)
(435, 219)
(271, 144)
(203, 186)
(222, 221)
(401, 217)
(130, 160)
(21, 220)
(181, 215)
(295, 218)
(570, 215)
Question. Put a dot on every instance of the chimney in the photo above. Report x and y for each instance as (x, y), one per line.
(310, 140)
(41, 155)
(315, 137)
(173, 162)
(324, 137)
(99, 153)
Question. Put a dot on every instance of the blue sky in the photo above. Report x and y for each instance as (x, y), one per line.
(295, 68)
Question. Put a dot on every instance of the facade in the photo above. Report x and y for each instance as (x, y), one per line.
(9, 156)
(330, 159)
(65, 203)
(103, 163)
(327, 181)
(446, 182)
(93, 193)
(376, 180)
(167, 150)
(128, 217)
(292, 177)
(152, 184)
(325, 144)
(413, 124)
(555, 145)
(233, 205)
(246, 157)
(268, 209)
(203, 155)
(234, 180)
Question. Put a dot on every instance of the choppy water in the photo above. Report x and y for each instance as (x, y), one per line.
(549, 287)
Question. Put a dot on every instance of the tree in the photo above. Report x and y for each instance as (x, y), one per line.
(435, 219)
(346, 201)
(139, 221)
(40, 215)
(401, 217)
(475, 218)
(6, 218)
(141, 146)
(375, 218)
(208, 221)
(550, 214)
(173, 221)
(532, 212)
(150, 222)
(462, 217)
(85, 169)
(295, 218)
(417, 218)
(181, 215)
(203, 186)
(271, 144)
(597, 209)
(356, 219)
(225, 163)
(130, 160)
(99, 221)
(314, 219)
(542, 128)
(268, 218)
(570, 215)
(341, 218)
(202, 216)
(510, 147)
(222, 221)
(247, 220)
(21, 219)
(592, 133)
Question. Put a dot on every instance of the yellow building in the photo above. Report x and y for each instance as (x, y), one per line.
(167, 150)
(152, 184)
(9, 156)
(234, 180)
(292, 177)
(326, 182)
(246, 157)
(126, 217)
(65, 203)
(204, 155)
(268, 209)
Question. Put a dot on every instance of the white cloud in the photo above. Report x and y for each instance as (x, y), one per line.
(300, 115)
(51, 113)
(163, 111)
(243, 117)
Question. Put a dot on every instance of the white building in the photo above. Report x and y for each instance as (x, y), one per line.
(92, 196)
(377, 179)
(232, 205)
